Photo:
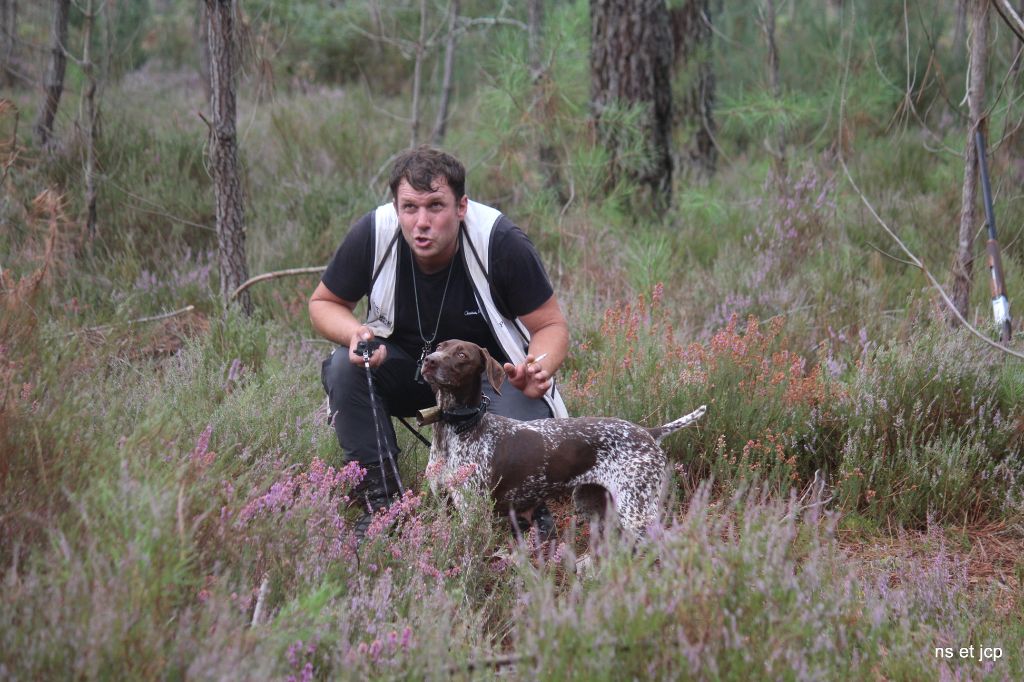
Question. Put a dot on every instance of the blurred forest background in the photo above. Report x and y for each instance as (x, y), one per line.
(712, 186)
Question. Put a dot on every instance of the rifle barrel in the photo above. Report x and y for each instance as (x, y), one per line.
(986, 186)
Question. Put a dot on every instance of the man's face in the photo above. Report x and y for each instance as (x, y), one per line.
(430, 222)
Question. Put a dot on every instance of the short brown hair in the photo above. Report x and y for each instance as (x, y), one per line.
(420, 166)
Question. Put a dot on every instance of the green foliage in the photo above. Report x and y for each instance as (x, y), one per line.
(155, 476)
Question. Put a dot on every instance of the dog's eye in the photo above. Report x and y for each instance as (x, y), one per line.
(462, 355)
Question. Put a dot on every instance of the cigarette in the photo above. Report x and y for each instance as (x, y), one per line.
(539, 358)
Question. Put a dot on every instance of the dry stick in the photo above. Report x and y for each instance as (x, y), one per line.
(153, 318)
(273, 275)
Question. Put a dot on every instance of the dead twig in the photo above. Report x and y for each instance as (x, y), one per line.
(152, 318)
(274, 275)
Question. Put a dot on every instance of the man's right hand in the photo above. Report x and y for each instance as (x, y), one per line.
(378, 356)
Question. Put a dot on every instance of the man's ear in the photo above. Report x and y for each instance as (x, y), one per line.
(494, 371)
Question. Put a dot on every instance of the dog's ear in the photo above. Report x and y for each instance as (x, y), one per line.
(494, 371)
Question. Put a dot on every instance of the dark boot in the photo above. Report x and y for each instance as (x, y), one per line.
(374, 493)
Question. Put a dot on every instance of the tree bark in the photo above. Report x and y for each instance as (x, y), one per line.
(630, 64)
(53, 80)
(90, 117)
(8, 41)
(417, 77)
(963, 261)
(202, 37)
(447, 83)
(774, 84)
(534, 22)
(960, 23)
(224, 152)
(691, 34)
(547, 154)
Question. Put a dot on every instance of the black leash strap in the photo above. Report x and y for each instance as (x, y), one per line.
(378, 425)
(414, 431)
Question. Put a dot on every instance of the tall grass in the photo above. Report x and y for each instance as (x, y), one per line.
(161, 482)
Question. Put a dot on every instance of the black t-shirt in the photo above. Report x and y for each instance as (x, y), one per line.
(519, 285)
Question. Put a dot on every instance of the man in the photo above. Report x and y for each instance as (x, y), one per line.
(434, 266)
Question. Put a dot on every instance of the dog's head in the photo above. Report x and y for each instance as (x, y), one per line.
(455, 371)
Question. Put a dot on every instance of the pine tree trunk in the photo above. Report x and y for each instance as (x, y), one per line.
(547, 154)
(417, 78)
(630, 64)
(53, 80)
(964, 259)
(89, 117)
(224, 152)
(691, 34)
(447, 83)
(774, 85)
(202, 36)
(534, 22)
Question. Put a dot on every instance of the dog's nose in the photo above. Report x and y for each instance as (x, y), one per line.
(431, 360)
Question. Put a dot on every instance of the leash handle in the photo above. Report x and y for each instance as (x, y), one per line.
(366, 348)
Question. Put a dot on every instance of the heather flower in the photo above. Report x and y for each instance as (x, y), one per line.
(201, 455)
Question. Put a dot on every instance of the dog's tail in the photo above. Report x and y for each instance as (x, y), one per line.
(660, 432)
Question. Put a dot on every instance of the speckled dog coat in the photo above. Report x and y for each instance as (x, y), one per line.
(522, 463)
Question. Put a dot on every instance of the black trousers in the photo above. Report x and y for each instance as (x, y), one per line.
(399, 396)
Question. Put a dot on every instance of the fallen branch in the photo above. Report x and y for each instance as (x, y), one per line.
(274, 275)
(153, 318)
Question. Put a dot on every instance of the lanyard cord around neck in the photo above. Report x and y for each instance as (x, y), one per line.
(416, 300)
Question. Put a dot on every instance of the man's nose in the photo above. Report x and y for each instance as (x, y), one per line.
(422, 219)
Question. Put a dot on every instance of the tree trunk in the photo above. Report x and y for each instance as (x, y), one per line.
(534, 22)
(691, 34)
(224, 152)
(417, 77)
(8, 41)
(960, 24)
(547, 154)
(89, 118)
(447, 84)
(774, 85)
(53, 80)
(630, 64)
(202, 36)
(963, 261)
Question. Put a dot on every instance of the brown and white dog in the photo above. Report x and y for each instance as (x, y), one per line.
(522, 463)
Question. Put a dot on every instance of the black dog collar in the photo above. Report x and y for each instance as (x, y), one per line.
(462, 419)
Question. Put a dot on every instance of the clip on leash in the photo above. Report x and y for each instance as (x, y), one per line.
(366, 348)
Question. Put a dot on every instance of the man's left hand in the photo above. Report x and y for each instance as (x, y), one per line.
(530, 377)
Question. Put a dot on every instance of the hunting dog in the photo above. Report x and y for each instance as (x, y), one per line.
(522, 463)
